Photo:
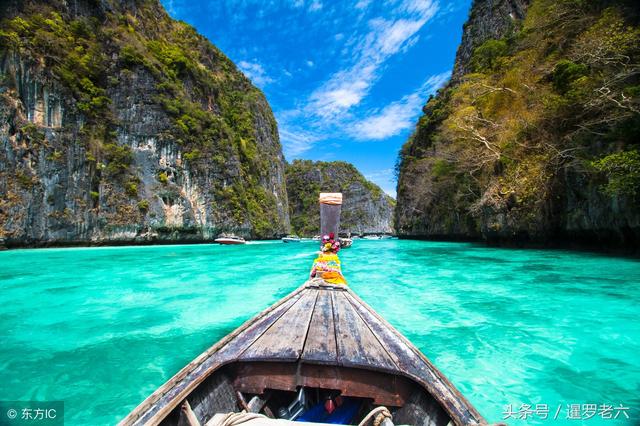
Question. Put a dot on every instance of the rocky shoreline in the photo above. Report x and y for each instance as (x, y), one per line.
(586, 245)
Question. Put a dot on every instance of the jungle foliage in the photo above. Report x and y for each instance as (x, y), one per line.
(211, 106)
(558, 96)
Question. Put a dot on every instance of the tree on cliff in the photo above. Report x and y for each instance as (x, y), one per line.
(539, 139)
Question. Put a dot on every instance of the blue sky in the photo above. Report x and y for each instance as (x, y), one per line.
(346, 79)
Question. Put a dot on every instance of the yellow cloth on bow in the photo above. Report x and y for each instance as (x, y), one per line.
(327, 267)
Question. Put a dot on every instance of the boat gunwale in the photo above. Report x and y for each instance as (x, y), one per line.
(430, 387)
(435, 370)
(149, 401)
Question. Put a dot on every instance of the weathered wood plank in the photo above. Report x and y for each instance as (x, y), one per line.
(284, 340)
(357, 346)
(403, 356)
(233, 349)
(320, 345)
(414, 364)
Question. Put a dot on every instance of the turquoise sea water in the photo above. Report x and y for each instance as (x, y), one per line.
(101, 328)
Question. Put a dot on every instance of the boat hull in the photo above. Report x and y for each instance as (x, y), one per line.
(230, 242)
(322, 337)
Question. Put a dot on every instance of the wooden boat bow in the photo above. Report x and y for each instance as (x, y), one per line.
(321, 338)
(319, 335)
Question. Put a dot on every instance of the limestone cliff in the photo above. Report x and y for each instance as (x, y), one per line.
(488, 19)
(366, 209)
(119, 124)
(535, 139)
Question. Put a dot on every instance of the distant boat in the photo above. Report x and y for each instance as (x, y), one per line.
(230, 240)
(345, 242)
(291, 239)
(316, 238)
(385, 237)
(371, 237)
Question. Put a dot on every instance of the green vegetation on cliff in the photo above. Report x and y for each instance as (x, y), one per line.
(540, 140)
(366, 207)
(95, 56)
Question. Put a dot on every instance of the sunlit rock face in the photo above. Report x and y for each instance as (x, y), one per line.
(488, 19)
(118, 124)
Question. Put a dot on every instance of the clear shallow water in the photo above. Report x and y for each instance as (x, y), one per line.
(101, 328)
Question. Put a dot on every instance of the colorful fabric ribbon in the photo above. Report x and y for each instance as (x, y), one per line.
(327, 267)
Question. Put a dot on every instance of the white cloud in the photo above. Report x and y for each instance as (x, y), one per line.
(416, 6)
(310, 64)
(380, 174)
(255, 72)
(394, 34)
(392, 120)
(296, 141)
(315, 6)
(397, 116)
(386, 37)
(338, 37)
(338, 97)
(362, 4)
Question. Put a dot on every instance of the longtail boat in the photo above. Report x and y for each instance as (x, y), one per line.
(318, 355)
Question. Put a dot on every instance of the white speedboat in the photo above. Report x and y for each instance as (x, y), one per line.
(230, 240)
(291, 239)
(371, 237)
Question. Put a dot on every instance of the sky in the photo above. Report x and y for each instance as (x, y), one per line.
(346, 79)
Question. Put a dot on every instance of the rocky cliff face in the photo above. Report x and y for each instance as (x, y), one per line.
(488, 19)
(366, 208)
(535, 139)
(118, 123)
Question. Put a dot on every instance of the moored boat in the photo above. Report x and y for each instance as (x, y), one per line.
(318, 356)
(345, 242)
(291, 239)
(371, 237)
(230, 240)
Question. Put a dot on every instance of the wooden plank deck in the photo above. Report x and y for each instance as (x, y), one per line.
(318, 324)
(320, 346)
(285, 339)
(357, 345)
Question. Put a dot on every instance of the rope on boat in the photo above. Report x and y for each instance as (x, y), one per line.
(234, 419)
(378, 414)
